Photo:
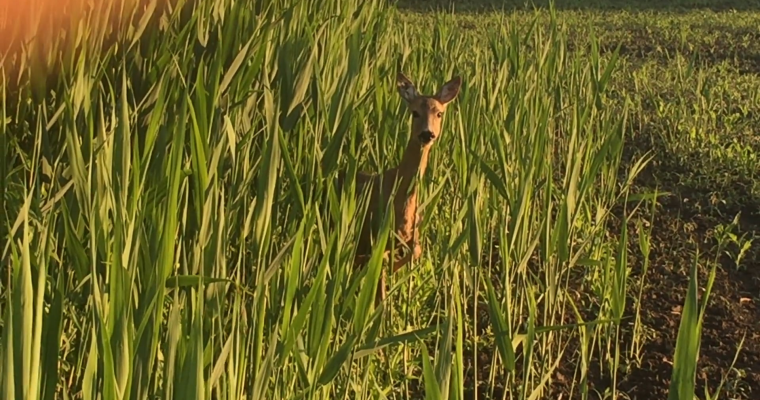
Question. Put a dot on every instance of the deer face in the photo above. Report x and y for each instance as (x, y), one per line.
(427, 111)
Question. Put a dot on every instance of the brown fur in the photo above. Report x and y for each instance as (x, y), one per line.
(427, 112)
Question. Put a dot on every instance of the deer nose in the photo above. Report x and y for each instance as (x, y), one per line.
(426, 137)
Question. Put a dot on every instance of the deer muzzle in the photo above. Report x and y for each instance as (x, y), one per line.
(426, 137)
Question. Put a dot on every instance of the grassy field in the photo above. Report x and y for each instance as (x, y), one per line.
(170, 227)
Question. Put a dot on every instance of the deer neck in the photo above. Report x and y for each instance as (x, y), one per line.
(413, 165)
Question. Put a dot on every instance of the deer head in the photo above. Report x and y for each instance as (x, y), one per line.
(427, 111)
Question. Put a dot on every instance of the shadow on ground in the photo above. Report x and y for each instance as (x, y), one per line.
(591, 5)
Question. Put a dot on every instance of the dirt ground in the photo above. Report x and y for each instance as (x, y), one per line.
(682, 228)
(732, 315)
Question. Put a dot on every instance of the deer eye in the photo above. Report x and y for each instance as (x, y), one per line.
(440, 114)
(415, 114)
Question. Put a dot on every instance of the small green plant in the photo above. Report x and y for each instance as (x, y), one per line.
(726, 236)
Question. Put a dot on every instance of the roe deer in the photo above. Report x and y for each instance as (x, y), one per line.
(427, 112)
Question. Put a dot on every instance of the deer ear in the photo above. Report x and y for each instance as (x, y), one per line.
(406, 88)
(449, 90)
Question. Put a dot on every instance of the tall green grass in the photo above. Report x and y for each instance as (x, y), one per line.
(165, 232)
